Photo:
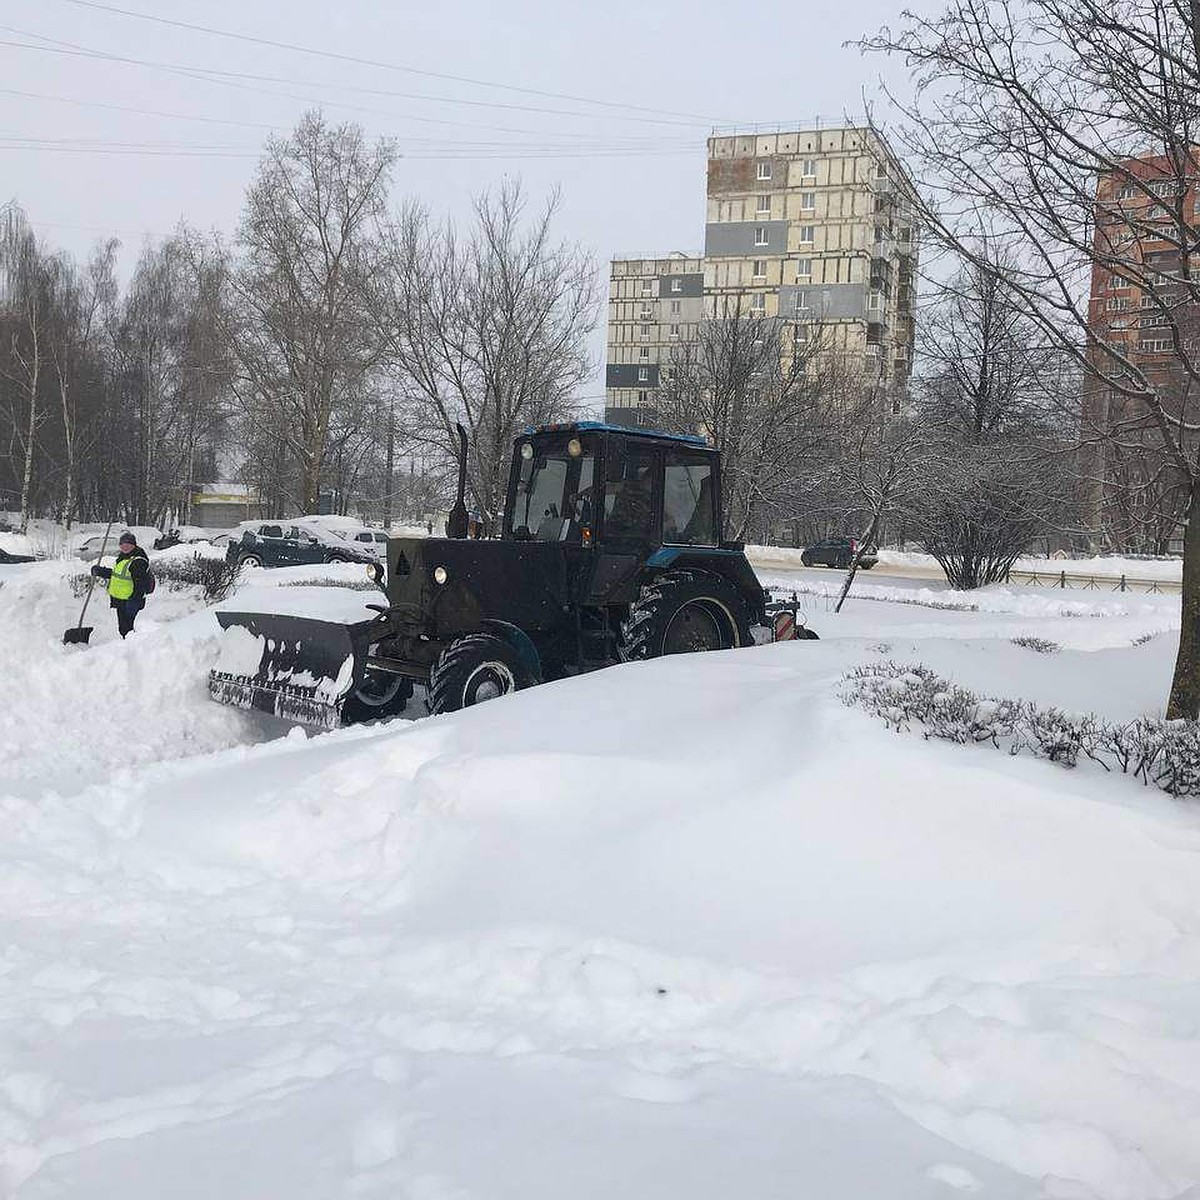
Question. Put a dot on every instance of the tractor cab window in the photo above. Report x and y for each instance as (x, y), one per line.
(689, 514)
(554, 499)
(629, 493)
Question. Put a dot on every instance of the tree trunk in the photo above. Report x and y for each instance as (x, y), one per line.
(1185, 686)
(867, 539)
(27, 480)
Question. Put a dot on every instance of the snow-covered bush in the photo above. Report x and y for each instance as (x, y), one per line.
(1163, 753)
(213, 576)
(1037, 644)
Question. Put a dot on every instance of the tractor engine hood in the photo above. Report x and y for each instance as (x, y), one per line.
(446, 586)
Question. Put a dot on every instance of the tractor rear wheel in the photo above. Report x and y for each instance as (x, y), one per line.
(683, 613)
(474, 669)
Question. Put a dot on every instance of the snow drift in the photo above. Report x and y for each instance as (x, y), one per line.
(682, 928)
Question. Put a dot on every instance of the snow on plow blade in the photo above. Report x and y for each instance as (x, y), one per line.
(296, 668)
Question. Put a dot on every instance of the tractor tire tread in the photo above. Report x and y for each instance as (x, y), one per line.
(658, 602)
(459, 659)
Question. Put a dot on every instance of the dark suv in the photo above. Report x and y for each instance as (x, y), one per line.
(837, 552)
(275, 545)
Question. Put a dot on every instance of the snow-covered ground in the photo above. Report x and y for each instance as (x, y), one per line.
(687, 928)
(914, 563)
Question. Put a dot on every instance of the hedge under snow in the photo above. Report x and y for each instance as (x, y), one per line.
(1163, 753)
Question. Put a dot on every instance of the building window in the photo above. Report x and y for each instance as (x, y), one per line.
(806, 235)
(646, 314)
(808, 168)
(647, 287)
(808, 201)
(677, 285)
(800, 334)
(644, 352)
(803, 268)
(764, 170)
(674, 331)
(675, 306)
(760, 235)
(1127, 192)
(764, 204)
(760, 268)
(643, 397)
(643, 374)
(874, 301)
(645, 331)
(1156, 345)
(758, 302)
(904, 236)
(1116, 303)
(801, 301)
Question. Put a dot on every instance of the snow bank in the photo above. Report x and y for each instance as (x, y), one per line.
(682, 928)
(688, 927)
(1025, 602)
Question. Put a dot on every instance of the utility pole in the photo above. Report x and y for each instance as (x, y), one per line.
(388, 470)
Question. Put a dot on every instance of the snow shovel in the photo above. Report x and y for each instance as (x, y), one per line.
(80, 634)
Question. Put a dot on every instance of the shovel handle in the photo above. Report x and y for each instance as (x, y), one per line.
(92, 584)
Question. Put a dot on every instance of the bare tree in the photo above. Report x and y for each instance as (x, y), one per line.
(24, 284)
(490, 331)
(302, 326)
(990, 399)
(875, 458)
(85, 300)
(1065, 133)
(752, 385)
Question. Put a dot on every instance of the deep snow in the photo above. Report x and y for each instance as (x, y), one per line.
(683, 928)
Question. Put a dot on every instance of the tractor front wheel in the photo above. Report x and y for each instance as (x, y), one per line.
(474, 669)
(380, 695)
(684, 613)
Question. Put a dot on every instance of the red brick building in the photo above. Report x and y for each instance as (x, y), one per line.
(1143, 304)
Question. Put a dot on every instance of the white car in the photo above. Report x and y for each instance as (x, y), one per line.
(88, 549)
(374, 541)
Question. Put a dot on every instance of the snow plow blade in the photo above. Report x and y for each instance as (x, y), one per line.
(295, 668)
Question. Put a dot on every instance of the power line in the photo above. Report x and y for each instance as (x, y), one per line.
(140, 112)
(543, 142)
(229, 78)
(368, 62)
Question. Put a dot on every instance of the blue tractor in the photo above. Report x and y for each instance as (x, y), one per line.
(610, 550)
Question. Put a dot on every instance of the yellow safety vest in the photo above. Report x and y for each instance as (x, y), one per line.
(120, 582)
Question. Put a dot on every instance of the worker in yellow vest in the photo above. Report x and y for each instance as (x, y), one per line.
(129, 582)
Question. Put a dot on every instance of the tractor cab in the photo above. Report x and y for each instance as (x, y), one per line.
(590, 485)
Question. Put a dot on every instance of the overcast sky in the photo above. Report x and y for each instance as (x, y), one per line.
(92, 145)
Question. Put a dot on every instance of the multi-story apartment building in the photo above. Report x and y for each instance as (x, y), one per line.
(654, 304)
(1141, 307)
(812, 226)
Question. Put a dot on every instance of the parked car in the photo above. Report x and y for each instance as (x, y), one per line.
(274, 544)
(186, 535)
(7, 559)
(88, 548)
(374, 541)
(838, 552)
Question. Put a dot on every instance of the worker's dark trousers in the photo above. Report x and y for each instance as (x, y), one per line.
(127, 611)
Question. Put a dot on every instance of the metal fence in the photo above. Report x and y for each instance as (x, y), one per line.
(1094, 583)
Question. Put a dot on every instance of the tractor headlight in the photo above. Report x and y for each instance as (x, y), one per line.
(440, 574)
(375, 572)
(526, 450)
(574, 448)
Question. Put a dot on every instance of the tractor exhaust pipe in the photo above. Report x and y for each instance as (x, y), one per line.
(458, 521)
